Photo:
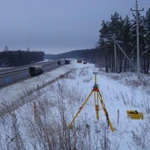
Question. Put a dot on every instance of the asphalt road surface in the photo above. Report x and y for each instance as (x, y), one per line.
(10, 76)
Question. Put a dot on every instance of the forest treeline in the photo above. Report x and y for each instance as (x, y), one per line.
(19, 57)
(124, 32)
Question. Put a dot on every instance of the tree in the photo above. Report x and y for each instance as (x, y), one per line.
(6, 48)
(146, 53)
(109, 30)
(28, 49)
(124, 31)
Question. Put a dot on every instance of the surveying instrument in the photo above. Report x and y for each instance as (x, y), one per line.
(97, 99)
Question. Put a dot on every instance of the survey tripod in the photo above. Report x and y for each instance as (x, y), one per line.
(97, 99)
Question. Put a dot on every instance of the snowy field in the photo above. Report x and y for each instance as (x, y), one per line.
(58, 96)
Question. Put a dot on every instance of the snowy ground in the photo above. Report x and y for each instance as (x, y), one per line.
(59, 101)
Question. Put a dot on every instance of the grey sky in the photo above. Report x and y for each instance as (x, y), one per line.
(57, 26)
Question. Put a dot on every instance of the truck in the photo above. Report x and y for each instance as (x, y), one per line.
(35, 70)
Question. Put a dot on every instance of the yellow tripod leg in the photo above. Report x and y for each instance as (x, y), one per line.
(105, 112)
(96, 105)
(80, 109)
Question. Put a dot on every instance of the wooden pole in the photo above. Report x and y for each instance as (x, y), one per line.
(118, 115)
(34, 108)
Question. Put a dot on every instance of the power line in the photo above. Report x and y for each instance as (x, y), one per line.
(130, 10)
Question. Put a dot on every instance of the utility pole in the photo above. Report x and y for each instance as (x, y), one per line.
(115, 54)
(137, 33)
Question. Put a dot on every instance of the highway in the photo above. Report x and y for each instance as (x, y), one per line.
(13, 75)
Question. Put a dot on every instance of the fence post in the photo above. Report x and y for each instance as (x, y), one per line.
(118, 114)
(34, 107)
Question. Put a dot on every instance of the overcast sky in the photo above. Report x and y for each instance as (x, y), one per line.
(57, 26)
